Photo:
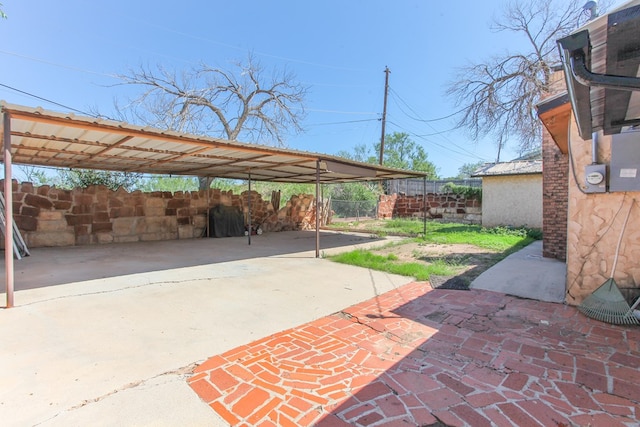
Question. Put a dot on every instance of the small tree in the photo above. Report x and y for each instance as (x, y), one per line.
(400, 152)
(168, 183)
(354, 198)
(83, 178)
(34, 175)
(465, 171)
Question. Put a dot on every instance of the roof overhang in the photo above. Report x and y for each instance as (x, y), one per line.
(46, 138)
(555, 114)
(601, 62)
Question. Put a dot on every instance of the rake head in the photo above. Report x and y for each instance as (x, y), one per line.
(607, 304)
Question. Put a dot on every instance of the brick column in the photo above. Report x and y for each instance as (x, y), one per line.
(555, 197)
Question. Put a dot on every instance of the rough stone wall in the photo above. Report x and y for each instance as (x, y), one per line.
(450, 207)
(49, 216)
(555, 196)
(514, 200)
(299, 213)
(594, 226)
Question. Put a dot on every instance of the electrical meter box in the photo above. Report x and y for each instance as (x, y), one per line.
(625, 162)
(595, 177)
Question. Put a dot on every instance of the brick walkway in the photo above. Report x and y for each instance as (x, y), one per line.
(420, 357)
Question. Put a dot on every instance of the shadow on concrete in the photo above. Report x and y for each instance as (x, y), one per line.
(484, 358)
(60, 265)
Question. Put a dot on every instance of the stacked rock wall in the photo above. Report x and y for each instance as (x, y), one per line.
(49, 216)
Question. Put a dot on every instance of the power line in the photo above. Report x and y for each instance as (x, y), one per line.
(398, 97)
(264, 54)
(442, 146)
(440, 132)
(341, 112)
(418, 119)
(341, 123)
(68, 67)
(48, 100)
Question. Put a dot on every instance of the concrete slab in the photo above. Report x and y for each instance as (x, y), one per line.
(105, 335)
(526, 274)
(97, 330)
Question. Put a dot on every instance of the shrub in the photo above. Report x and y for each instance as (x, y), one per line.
(463, 190)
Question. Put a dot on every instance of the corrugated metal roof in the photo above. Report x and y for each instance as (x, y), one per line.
(46, 138)
(527, 167)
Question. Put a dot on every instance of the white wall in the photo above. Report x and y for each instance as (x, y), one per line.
(514, 200)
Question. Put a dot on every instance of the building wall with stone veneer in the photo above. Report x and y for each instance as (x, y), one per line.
(450, 207)
(49, 216)
(594, 225)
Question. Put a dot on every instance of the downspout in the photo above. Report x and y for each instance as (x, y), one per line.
(585, 77)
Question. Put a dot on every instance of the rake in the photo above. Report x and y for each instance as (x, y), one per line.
(607, 303)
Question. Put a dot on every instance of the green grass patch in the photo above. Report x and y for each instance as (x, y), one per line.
(390, 264)
(502, 240)
(497, 239)
(487, 238)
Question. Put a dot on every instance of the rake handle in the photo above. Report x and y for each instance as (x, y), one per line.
(624, 226)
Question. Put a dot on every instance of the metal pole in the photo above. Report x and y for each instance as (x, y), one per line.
(8, 207)
(249, 211)
(208, 212)
(384, 112)
(317, 209)
(424, 205)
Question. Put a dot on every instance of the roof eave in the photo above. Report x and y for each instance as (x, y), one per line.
(555, 114)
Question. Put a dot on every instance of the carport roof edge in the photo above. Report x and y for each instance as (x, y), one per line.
(46, 138)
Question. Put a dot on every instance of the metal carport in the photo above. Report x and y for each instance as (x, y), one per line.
(41, 137)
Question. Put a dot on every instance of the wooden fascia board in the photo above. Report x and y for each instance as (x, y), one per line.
(556, 121)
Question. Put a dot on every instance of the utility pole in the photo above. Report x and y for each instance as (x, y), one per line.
(384, 112)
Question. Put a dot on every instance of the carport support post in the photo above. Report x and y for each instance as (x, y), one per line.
(249, 211)
(317, 209)
(208, 211)
(8, 207)
(424, 205)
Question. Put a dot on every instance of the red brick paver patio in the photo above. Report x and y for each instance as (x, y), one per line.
(416, 357)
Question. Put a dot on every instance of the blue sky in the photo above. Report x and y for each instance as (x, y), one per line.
(68, 52)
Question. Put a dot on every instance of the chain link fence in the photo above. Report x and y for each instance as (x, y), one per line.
(357, 209)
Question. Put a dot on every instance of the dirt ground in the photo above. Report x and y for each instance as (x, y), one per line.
(467, 261)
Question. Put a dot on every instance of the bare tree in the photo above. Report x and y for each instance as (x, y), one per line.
(498, 96)
(243, 105)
